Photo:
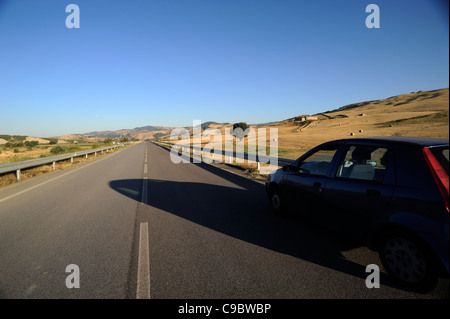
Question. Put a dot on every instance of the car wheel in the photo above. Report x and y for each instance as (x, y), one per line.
(277, 202)
(406, 259)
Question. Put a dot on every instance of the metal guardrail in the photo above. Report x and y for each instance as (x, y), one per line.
(18, 166)
(246, 156)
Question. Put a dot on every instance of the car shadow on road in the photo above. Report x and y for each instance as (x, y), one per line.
(243, 212)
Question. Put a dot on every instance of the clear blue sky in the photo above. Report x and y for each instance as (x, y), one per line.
(169, 62)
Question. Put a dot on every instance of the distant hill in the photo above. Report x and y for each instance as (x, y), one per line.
(396, 100)
(21, 138)
(422, 114)
(149, 128)
(141, 133)
(419, 114)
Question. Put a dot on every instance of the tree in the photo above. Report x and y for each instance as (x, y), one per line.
(239, 130)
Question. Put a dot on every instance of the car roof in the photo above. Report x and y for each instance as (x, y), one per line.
(419, 141)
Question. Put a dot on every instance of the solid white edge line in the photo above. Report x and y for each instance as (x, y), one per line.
(75, 169)
(143, 275)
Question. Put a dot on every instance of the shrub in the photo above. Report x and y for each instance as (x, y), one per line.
(73, 148)
(158, 135)
(59, 150)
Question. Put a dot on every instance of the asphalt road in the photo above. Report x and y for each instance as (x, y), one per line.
(139, 226)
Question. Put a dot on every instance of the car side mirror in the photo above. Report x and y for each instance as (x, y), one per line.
(288, 168)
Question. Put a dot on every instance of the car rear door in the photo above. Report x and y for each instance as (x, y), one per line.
(360, 188)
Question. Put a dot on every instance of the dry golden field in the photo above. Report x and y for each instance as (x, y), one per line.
(419, 114)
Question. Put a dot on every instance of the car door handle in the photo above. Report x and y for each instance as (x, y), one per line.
(373, 192)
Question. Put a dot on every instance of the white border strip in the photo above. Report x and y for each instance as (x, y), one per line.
(143, 276)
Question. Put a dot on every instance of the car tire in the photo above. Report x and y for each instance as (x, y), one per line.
(277, 202)
(408, 261)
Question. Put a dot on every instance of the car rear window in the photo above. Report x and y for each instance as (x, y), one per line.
(364, 162)
(442, 155)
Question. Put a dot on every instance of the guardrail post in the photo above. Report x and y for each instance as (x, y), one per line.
(71, 160)
(54, 165)
(18, 174)
(95, 154)
(86, 156)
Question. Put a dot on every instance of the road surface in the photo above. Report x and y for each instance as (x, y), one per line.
(137, 225)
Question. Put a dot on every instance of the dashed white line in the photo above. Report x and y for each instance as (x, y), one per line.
(143, 276)
(144, 191)
(145, 181)
(143, 272)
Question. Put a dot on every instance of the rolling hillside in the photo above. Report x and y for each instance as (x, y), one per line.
(420, 114)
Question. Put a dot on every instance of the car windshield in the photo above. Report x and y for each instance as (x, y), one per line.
(441, 154)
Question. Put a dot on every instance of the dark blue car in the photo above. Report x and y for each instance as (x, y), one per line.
(391, 193)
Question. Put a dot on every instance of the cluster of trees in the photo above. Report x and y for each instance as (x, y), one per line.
(28, 144)
(19, 138)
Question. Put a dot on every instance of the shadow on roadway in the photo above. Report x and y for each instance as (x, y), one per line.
(243, 212)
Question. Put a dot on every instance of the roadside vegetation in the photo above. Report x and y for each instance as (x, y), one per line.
(18, 149)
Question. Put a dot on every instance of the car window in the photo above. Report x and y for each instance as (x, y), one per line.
(364, 162)
(319, 162)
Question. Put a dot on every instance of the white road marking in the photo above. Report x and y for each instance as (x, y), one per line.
(143, 275)
(144, 191)
(53, 179)
(145, 181)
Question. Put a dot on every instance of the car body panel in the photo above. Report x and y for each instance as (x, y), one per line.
(407, 196)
